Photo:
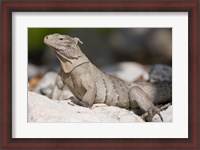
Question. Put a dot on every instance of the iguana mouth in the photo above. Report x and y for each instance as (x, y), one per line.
(46, 41)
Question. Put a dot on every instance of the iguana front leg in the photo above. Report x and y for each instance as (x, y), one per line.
(60, 90)
(90, 86)
(84, 85)
(57, 89)
(89, 97)
(137, 95)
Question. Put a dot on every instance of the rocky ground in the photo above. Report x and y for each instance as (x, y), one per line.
(43, 109)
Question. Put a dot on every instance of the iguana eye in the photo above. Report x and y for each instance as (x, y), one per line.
(61, 39)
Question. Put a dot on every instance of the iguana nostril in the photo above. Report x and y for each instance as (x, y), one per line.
(46, 37)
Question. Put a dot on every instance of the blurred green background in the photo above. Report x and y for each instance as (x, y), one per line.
(107, 45)
(36, 35)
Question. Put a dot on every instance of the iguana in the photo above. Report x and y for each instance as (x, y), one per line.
(90, 85)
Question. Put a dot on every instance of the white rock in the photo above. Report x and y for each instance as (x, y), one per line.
(45, 86)
(42, 109)
(128, 71)
(166, 114)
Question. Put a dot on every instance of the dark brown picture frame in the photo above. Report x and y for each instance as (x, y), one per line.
(9, 6)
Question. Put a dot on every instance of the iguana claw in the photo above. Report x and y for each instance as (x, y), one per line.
(148, 116)
(78, 102)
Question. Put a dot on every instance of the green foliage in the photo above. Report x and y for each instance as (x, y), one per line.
(36, 35)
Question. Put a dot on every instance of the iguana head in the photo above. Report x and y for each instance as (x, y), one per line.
(65, 46)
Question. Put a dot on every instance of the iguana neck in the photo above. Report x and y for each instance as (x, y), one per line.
(69, 64)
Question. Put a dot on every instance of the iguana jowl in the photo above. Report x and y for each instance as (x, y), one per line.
(90, 85)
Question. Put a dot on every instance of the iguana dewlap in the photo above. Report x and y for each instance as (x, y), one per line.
(90, 85)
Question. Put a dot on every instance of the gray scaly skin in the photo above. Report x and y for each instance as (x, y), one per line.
(90, 85)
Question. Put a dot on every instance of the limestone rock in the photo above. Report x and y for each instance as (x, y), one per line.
(127, 71)
(166, 114)
(42, 109)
